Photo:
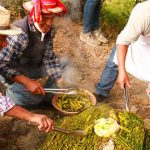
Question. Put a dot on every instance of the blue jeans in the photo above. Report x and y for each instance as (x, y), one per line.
(25, 98)
(108, 76)
(91, 15)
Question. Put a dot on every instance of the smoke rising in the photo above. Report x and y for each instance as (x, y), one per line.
(75, 9)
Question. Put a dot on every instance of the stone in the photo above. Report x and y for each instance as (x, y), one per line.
(6, 124)
(3, 142)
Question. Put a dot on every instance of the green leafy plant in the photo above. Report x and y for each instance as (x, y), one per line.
(115, 13)
(131, 135)
(15, 7)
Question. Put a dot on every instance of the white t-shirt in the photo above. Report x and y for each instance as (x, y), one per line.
(136, 34)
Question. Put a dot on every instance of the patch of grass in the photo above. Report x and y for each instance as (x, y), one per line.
(15, 7)
(115, 13)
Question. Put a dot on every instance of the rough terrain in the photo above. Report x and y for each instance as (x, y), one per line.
(84, 70)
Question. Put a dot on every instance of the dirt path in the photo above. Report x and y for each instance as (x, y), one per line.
(84, 70)
(88, 63)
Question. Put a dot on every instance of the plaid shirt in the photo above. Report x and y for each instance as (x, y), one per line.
(16, 44)
(5, 105)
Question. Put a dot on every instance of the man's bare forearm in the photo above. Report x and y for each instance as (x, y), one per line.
(121, 56)
(43, 122)
(21, 79)
(20, 113)
(31, 84)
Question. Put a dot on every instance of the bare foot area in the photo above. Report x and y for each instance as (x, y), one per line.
(86, 65)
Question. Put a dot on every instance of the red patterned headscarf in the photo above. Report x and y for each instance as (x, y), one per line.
(46, 6)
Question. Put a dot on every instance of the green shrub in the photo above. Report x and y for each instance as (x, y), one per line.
(115, 13)
(15, 7)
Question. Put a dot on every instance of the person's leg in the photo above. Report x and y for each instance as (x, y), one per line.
(96, 17)
(21, 97)
(108, 77)
(96, 24)
(88, 23)
(88, 15)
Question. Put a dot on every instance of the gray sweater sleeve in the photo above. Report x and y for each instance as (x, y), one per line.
(138, 24)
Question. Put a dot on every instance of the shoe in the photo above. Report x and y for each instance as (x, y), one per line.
(100, 36)
(101, 98)
(89, 39)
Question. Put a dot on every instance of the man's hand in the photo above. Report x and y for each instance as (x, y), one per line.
(32, 85)
(43, 122)
(35, 87)
(123, 79)
(59, 82)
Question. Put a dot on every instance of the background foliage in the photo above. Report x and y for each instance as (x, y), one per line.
(114, 13)
(15, 7)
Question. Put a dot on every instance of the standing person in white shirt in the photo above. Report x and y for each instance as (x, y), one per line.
(131, 53)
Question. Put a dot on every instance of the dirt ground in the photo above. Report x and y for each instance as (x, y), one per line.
(86, 64)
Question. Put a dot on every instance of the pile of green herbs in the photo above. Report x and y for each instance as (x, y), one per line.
(73, 103)
(131, 136)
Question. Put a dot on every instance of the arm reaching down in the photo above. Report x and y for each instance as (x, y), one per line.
(121, 56)
(7, 107)
(43, 122)
(32, 85)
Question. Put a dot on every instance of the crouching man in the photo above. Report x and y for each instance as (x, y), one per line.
(29, 55)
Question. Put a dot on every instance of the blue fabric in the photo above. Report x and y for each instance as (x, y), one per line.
(108, 76)
(20, 97)
(91, 15)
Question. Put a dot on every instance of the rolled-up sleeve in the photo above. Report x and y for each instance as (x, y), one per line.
(15, 47)
(5, 105)
(138, 24)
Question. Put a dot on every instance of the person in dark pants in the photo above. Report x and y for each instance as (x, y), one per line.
(7, 106)
(91, 33)
(131, 53)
